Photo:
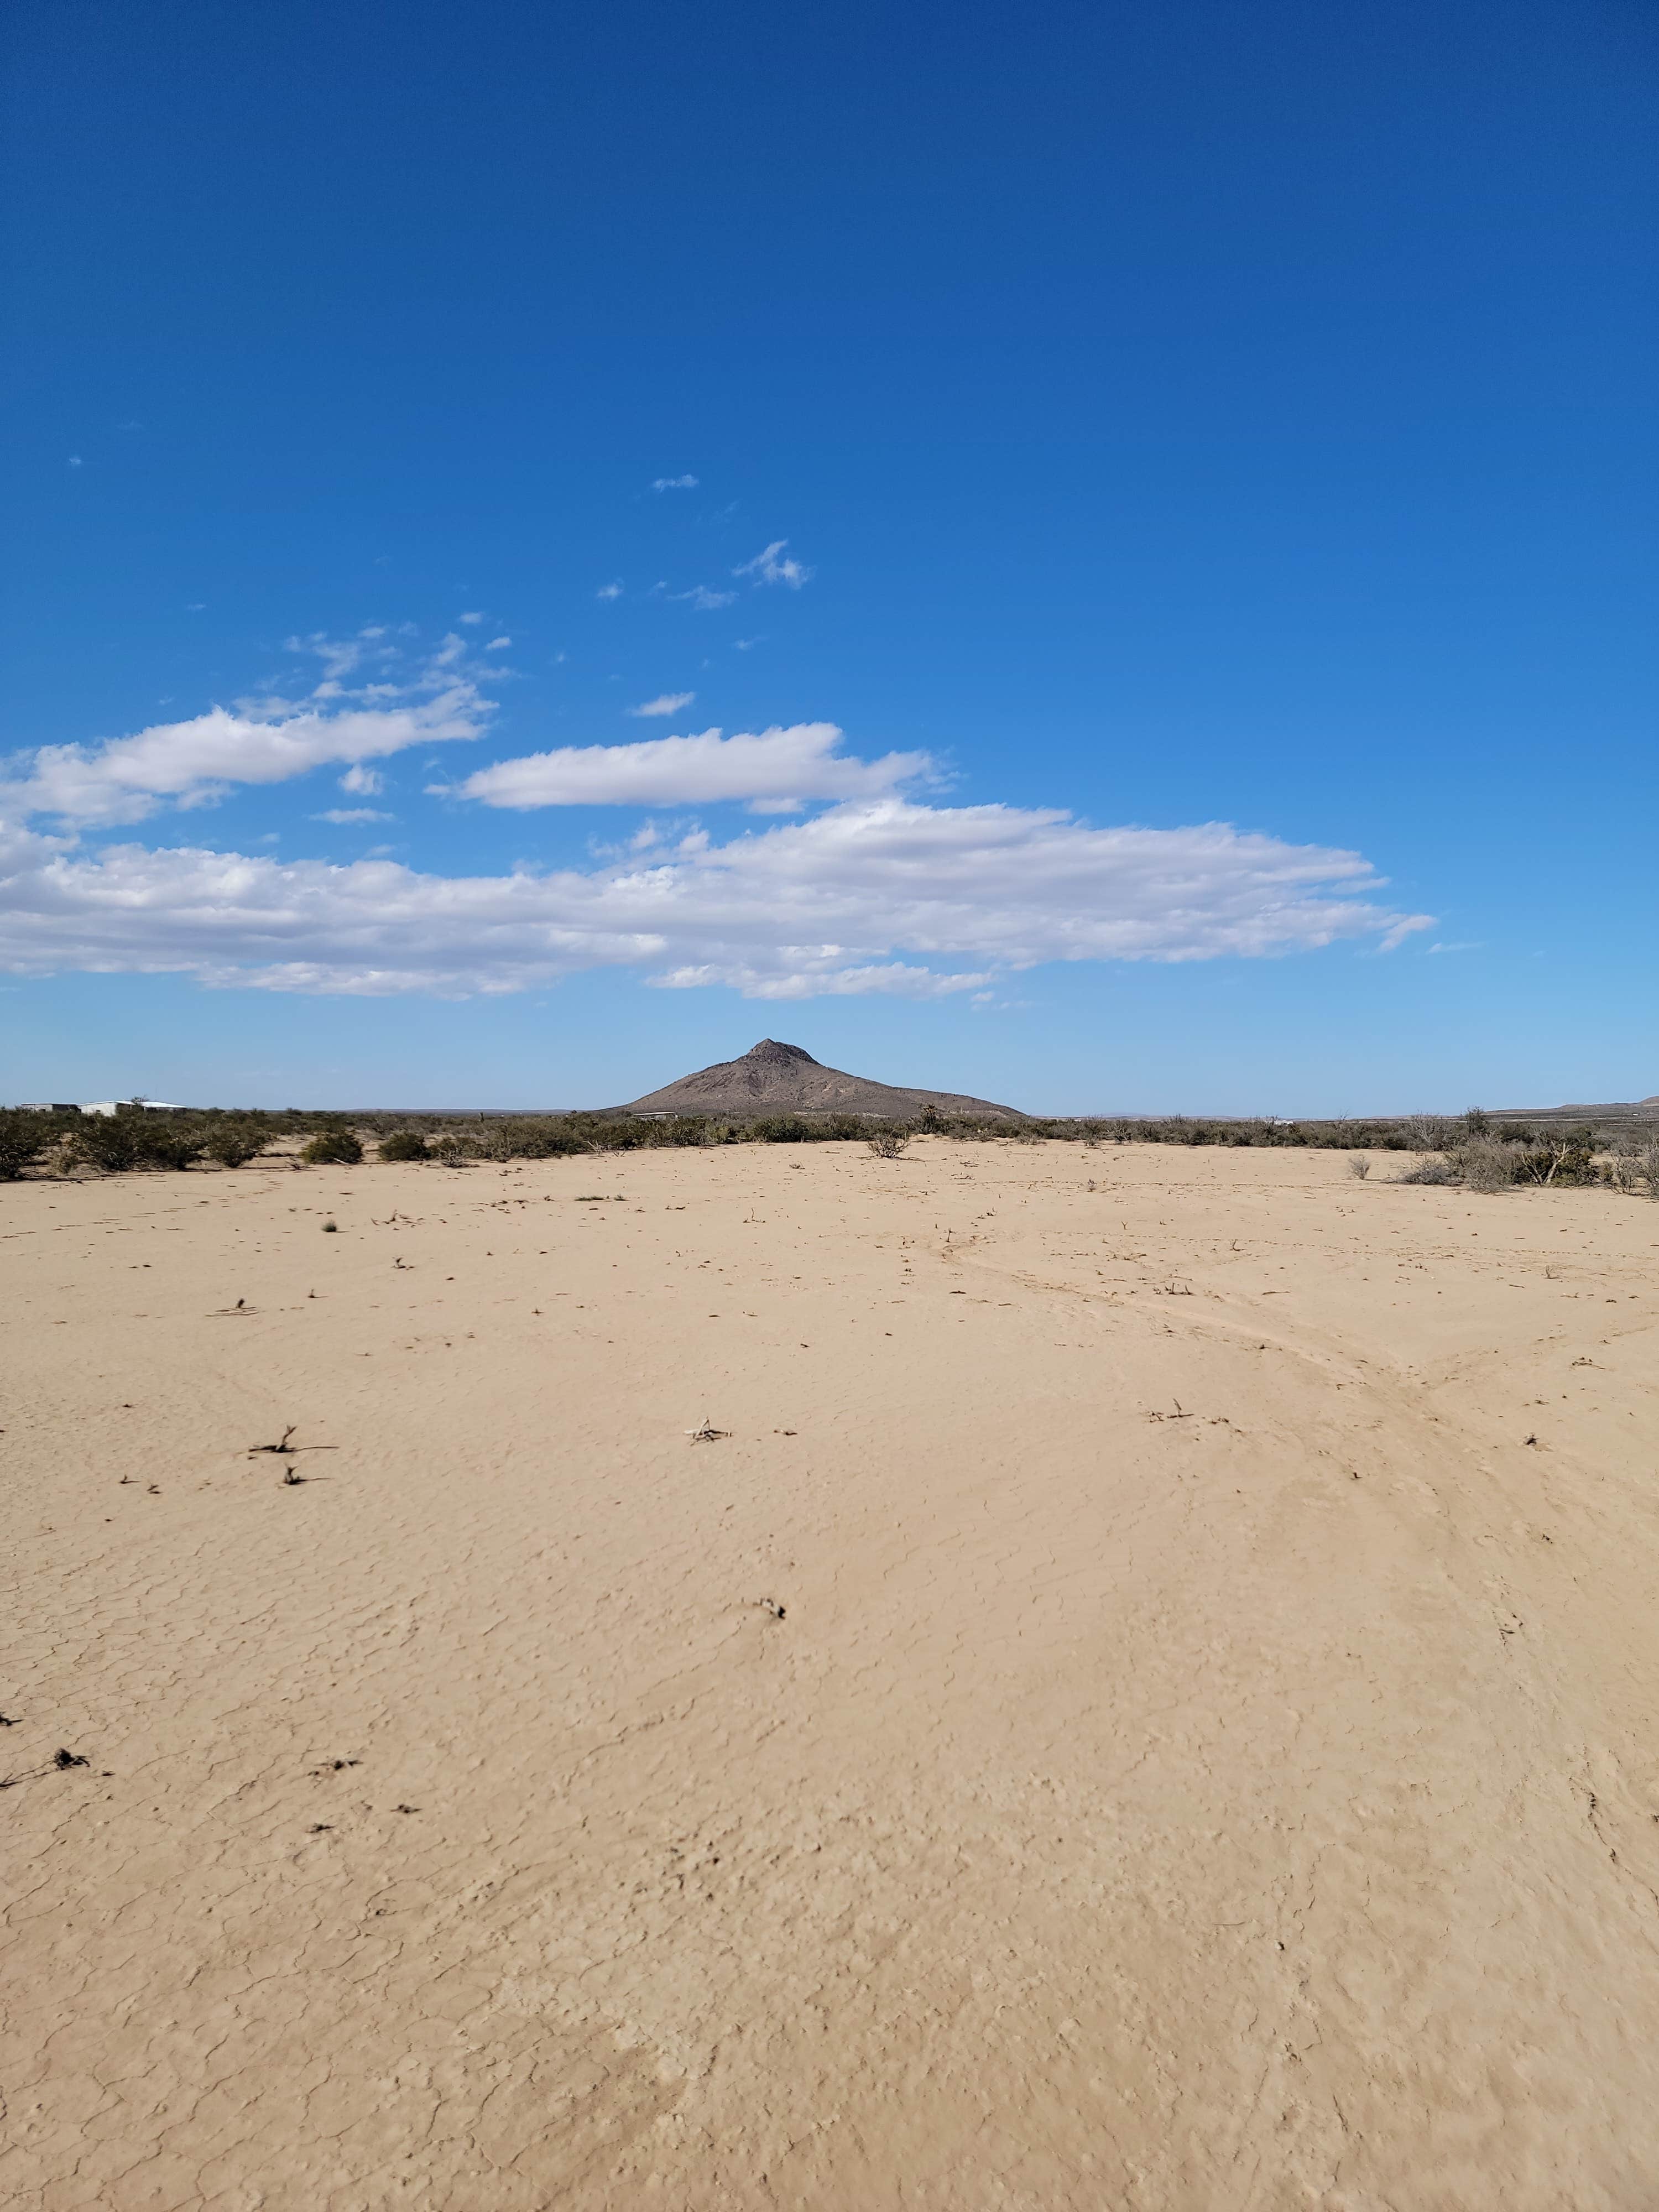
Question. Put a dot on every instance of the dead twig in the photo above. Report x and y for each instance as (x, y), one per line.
(287, 1450)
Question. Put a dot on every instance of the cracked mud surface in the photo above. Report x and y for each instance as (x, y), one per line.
(1124, 1719)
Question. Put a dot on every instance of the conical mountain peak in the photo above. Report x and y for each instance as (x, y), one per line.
(773, 1078)
(773, 1054)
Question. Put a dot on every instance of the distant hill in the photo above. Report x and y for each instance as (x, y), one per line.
(1636, 1114)
(781, 1078)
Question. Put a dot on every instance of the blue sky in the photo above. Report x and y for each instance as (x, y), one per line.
(1141, 519)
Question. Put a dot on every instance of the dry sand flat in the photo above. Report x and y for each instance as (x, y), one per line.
(964, 1785)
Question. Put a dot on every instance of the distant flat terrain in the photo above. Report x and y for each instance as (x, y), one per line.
(1146, 1700)
(1639, 1112)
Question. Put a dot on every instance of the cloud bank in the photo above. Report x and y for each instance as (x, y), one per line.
(879, 896)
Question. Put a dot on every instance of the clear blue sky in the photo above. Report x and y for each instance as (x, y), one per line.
(1108, 423)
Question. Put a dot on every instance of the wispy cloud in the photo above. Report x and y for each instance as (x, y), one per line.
(701, 596)
(674, 483)
(665, 702)
(883, 896)
(260, 741)
(340, 814)
(475, 617)
(367, 782)
(498, 645)
(773, 771)
(768, 567)
(611, 591)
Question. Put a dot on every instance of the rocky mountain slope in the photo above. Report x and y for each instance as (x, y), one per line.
(782, 1078)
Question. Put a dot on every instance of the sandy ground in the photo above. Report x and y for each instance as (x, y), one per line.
(965, 1784)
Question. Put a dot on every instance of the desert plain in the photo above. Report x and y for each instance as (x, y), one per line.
(1149, 1701)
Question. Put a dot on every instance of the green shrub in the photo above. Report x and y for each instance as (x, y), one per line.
(172, 1144)
(23, 1137)
(538, 1140)
(783, 1129)
(108, 1141)
(403, 1145)
(234, 1144)
(332, 1148)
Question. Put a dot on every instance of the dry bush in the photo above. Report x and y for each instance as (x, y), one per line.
(1562, 1160)
(888, 1144)
(1635, 1165)
(1358, 1167)
(1434, 1170)
(1430, 1132)
(1485, 1164)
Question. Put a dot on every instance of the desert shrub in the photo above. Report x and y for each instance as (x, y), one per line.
(1570, 1158)
(1429, 1133)
(1358, 1167)
(1434, 1170)
(495, 1140)
(403, 1145)
(163, 1143)
(107, 1141)
(333, 1148)
(888, 1144)
(546, 1140)
(1484, 1164)
(1635, 1165)
(23, 1139)
(234, 1144)
(783, 1129)
(454, 1148)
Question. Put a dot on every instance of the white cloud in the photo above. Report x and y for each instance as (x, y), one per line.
(701, 597)
(475, 617)
(745, 644)
(883, 897)
(665, 702)
(498, 645)
(191, 763)
(767, 567)
(675, 483)
(611, 591)
(344, 814)
(773, 770)
(75, 461)
(367, 782)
